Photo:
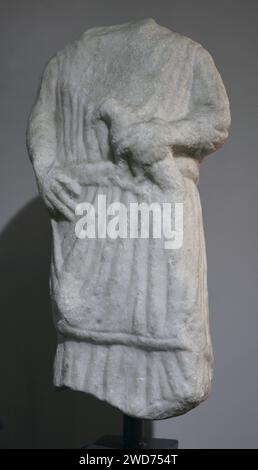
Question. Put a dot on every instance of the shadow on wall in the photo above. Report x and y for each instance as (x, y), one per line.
(32, 413)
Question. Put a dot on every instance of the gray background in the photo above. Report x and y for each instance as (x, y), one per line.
(32, 413)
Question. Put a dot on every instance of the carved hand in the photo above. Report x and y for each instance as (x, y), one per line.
(146, 143)
(59, 192)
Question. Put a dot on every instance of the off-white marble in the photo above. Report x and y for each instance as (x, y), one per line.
(129, 112)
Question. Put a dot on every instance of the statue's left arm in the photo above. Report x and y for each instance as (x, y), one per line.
(205, 127)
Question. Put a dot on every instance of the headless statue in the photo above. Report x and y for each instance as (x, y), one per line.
(129, 112)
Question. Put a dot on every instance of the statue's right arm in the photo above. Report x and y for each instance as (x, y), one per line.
(57, 189)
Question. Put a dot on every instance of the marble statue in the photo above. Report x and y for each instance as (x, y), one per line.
(129, 112)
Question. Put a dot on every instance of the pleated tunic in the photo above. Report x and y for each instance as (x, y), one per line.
(131, 316)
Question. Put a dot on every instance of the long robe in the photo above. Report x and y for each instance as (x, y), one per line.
(131, 316)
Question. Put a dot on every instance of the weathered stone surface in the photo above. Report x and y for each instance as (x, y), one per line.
(129, 112)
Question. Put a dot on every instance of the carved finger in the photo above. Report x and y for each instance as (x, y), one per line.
(60, 207)
(64, 197)
(70, 184)
(48, 203)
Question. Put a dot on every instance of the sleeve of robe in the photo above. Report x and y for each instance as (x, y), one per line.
(205, 126)
(41, 131)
